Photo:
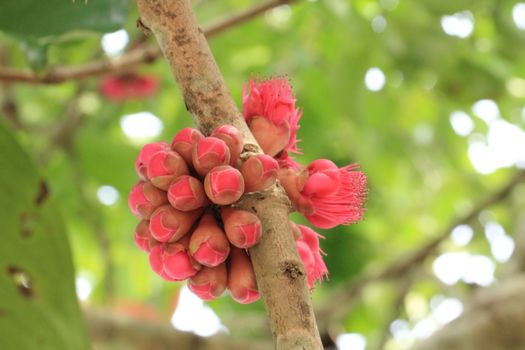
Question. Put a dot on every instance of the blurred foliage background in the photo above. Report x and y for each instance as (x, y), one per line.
(428, 96)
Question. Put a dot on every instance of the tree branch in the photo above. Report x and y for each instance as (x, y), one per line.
(493, 320)
(127, 332)
(280, 274)
(144, 54)
(342, 301)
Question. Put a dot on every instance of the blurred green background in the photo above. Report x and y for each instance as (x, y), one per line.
(428, 96)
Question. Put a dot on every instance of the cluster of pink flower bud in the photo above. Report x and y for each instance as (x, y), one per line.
(189, 227)
(186, 190)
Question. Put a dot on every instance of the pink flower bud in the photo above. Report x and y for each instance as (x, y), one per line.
(187, 193)
(310, 253)
(293, 182)
(286, 161)
(145, 154)
(164, 167)
(259, 172)
(272, 138)
(168, 224)
(242, 227)
(232, 137)
(224, 185)
(208, 243)
(208, 153)
(172, 262)
(296, 233)
(143, 238)
(241, 278)
(144, 198)
(183, 142)
(210, 282)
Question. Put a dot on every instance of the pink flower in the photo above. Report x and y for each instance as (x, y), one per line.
(269, 109)
(310, 253)
(325, 194)
(286, 161)
(128, 86)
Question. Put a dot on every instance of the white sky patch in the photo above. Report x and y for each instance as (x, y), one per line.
(460, 24)
(450, 268)
(486, 110)
(507, 142)
(503, 147)
(501, 245)
(107, 195)
(83, 288)
(192, 315)
(375, 79)
(142, 125)
(461, 123)
(481, 157)
(350, 341)
(446, 310)
(462, 235)
(518, 15)
(424, 328)
(114, 43)
(378, 24)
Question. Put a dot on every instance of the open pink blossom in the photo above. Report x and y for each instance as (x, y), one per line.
(325, 194)
(269, 109)
(310, 253)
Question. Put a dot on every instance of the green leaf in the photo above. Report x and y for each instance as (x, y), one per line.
(38, 306)
(32, 20)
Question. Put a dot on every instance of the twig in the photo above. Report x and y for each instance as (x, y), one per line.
(144, 54)
(403, 287)
(344, 299)
(280, 274)
(7, 102)
(127, 332)
(241, 17)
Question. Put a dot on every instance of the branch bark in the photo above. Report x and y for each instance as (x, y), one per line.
(493, 320)
(145, 54)
(124, 332)
(342, 301)
(279, 271)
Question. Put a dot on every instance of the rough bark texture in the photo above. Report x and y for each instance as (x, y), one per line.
(280, 274)
(493, 320)
(111, 330)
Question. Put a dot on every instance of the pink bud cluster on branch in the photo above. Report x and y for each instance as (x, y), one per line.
(187, 192)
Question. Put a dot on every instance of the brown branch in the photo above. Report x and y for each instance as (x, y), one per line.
(126, 332)
(342, 301)
(493, 320)
(241, 17)
(144, 54)
(279, 271)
